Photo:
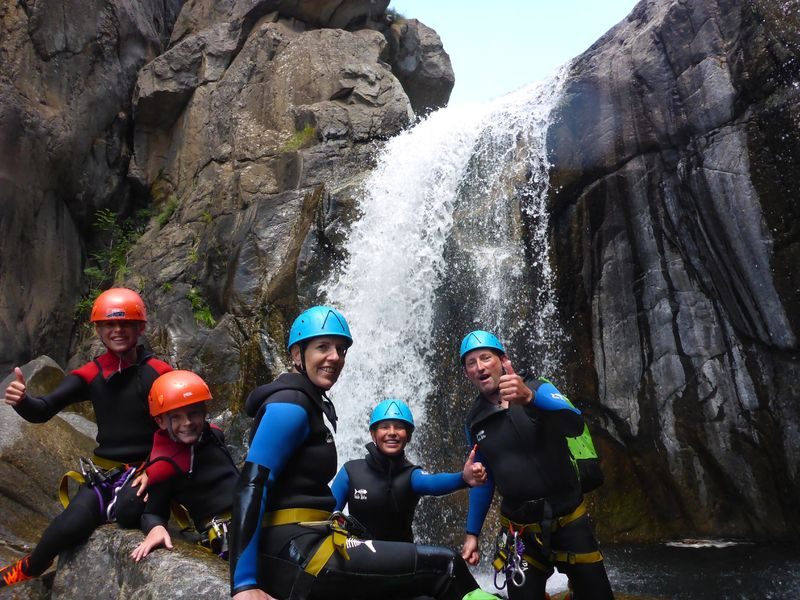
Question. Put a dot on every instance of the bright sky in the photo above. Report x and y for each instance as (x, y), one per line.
(498, 47)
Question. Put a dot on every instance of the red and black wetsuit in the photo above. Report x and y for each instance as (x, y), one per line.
(118, 393)
(201, 477)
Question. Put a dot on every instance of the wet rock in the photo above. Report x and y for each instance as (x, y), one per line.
(674, 232)
(102, 568)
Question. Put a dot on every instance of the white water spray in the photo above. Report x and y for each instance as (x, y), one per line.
(461, 166)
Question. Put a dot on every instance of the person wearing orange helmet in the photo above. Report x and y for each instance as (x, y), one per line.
(116, 383)
(188, 464)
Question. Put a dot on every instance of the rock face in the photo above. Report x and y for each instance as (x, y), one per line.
(675, 168)
(103, 568)
(65, 115)
(251, 139)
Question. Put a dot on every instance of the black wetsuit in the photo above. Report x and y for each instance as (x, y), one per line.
(527, 458)
(118, 393)
(292, 457)
(382, 492)
(206, 490)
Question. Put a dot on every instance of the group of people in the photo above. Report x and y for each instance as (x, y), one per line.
(278, 518)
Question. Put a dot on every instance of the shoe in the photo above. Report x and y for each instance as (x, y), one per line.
(15, 573)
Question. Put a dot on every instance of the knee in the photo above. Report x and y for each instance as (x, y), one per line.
(128, 508)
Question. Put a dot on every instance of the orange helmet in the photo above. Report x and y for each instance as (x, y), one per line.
(118, 304)
(176, 389)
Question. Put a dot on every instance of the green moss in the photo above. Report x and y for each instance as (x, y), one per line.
(166, 213)
(299, 139)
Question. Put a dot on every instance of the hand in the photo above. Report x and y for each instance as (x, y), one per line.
(512, 388)
(255, 594)
(158, 536)
(469, 550)
(473, 473)
(141, 481)
(15, 391)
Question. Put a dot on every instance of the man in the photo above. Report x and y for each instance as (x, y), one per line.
(521, 428)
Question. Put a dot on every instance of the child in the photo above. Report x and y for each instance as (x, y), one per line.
(383, 489)
(117, 384)
(189, 464)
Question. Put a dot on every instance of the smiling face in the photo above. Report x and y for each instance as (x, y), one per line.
(119, 336)
(390, 436)
(184, 424)
(324, 359)
(484, 368)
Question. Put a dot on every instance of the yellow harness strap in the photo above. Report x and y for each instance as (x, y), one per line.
(537, 528)
(63, 487)
(309, 517)
(577, 558)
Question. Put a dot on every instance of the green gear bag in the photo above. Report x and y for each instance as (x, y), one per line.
(583, 455)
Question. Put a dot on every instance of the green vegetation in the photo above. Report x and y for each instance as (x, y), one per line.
(300, 139)
(206, 217)
(166, 213)
(200, 309)
(108, 260)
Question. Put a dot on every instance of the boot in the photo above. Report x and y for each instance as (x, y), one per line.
(15, 572)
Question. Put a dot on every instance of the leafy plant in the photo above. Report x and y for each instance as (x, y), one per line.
(200, 308)
(108, 260)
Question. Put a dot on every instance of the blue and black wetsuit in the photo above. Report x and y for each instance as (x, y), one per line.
(527, 459)
(382, 492)
(291, 459)
(118, 393)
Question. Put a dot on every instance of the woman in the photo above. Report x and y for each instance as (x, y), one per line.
(285, 544)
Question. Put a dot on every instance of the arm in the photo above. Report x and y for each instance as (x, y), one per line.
(72, 389)
(341, 486)
(436, 484)
(565, 416)
(281, 431)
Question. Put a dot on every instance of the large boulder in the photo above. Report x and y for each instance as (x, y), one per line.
(421, 64)
(675, 168)
(33, 457)
(266, 131)
(103, 568)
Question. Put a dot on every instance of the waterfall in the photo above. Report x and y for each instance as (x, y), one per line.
(444, 214)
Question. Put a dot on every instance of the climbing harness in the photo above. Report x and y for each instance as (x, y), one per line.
(215, 535)
(341, 527)
(511, 558)
(106, 478)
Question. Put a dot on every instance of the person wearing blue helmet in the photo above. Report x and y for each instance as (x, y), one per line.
(520, 427)
(286, 542)
(382, 489)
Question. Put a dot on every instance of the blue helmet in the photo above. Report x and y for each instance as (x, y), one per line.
(318, 321)
(392, 409)
(480, 339)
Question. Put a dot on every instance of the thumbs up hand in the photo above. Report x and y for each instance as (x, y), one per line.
(15, 391)
(511, 386)
(473, 473)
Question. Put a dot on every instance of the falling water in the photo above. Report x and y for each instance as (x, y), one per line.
(448, 199)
